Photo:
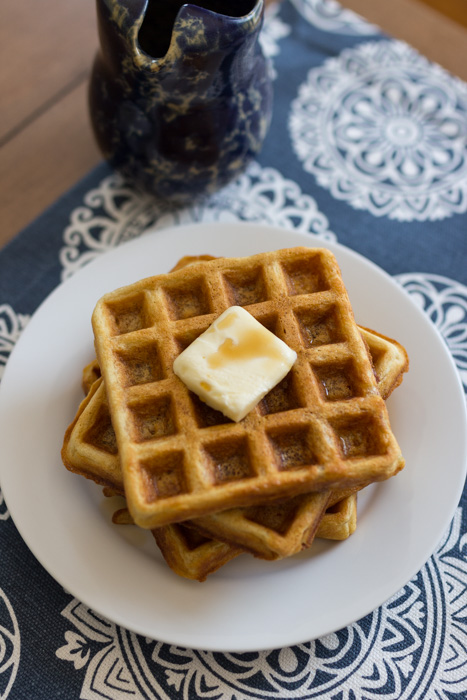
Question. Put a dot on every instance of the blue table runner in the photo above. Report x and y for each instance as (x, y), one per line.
(367, 147)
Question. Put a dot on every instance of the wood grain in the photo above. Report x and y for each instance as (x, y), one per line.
(437, 37)
(46, 47)
(49, 155)
(46, 51)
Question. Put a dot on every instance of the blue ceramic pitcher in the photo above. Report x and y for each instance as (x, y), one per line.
(180, 94)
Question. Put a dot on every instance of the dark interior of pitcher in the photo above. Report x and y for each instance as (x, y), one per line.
(156, 29)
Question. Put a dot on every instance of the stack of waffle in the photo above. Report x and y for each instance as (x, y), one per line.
(209, 488)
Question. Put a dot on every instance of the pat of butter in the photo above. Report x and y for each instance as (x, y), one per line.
(234, 363)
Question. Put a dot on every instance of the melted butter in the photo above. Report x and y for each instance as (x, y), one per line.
(235, 365)
(226, 322)
(252, 344)
(221, 325)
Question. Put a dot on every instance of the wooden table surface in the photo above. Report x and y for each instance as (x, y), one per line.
(47, 47)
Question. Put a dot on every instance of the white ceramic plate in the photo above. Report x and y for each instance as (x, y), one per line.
(248, 604)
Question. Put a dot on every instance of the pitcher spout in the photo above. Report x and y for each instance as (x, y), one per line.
(203, 23)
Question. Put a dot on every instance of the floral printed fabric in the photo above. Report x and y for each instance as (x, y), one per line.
(367, 147)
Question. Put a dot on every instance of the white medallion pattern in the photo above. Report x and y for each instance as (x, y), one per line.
(384, 130)
(414, 644)
(274, 29)
(11, 326)
(10, 646)
(445, 302)
(4, 514)
(410, 651)
(113, 213)
(330, 16)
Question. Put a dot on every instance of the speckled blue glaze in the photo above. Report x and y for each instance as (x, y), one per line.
(180, 95)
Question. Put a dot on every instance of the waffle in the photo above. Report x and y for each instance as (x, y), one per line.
(180, 460)
(195, 556)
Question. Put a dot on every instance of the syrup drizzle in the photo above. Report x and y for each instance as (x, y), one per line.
(251, 344)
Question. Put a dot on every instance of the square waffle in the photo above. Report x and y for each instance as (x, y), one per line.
(326, 428)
